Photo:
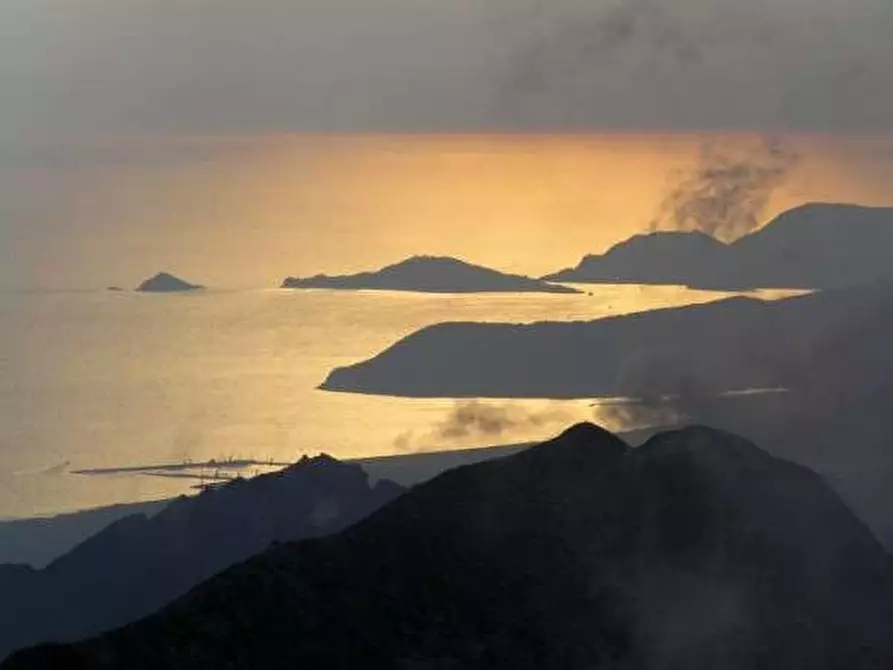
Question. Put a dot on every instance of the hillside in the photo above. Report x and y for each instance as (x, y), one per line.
(816, 245)
(138, 564)
(37, 541)
(727, 345)
(431, 274)
(653, 258)
(829, 350)
(697, 550)
(164, 282)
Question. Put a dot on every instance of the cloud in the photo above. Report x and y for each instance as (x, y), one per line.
(692, 64)
(227, 66)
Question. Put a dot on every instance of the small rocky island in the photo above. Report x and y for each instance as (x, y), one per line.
(431, 274)
(167, 283)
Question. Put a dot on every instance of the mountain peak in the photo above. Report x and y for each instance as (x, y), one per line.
(431, 274)
(164, 282)
(583, 445)
(426, 259)
(583, 434)
(543, 560)
(704, 443)
(663, 255)
(645, 247)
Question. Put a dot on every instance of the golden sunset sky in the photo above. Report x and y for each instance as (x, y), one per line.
(237, 142)
(245, 211)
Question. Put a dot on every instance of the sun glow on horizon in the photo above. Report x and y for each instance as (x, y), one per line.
(249, 210)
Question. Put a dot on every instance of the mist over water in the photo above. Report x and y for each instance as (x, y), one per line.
(93, 380)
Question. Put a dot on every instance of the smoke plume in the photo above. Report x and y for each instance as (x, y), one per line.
(474, 420)
(727, 191)
(636, 413)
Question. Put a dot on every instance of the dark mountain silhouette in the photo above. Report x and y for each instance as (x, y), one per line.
(630, 355)
(817, 245)
(813, 246)
(831, 350)
(653, 258)
(167, 283)
(138, 564)
(37, 541)
(414, 468)
(728, 345)
(836, 419)
(431, 274)
(697, 550)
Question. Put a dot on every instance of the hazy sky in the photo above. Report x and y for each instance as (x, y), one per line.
(141, 133)
(199, 66)
(249, 211)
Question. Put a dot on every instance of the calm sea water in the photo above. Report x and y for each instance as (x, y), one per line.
(92, 380)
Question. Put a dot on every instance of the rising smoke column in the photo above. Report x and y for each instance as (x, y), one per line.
(726, 193)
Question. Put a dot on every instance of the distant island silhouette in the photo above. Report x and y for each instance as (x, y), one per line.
(629, 355)
(696, 550)
(165, 282)
(430, 274)
(816, 245)
(650, 258)
(727, 345)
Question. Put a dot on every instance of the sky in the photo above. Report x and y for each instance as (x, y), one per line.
(235, 142)
(228, 66)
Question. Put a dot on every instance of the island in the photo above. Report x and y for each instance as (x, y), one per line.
(631, 355)
(164, 282)
(723, 346)
(671, 257)
(431, 274)
(812, 246)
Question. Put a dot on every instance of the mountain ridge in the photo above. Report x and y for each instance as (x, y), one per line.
(164, 282)
(697, 550)
(430, 274)
(666, 254)
(138, 564)
(811, 246)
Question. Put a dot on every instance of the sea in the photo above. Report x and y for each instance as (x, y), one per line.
(107, 397)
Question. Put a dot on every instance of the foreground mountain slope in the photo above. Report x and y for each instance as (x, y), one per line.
(138, 564)
(829, 350)
(37, 541)
(431, 274)
(697, 550)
